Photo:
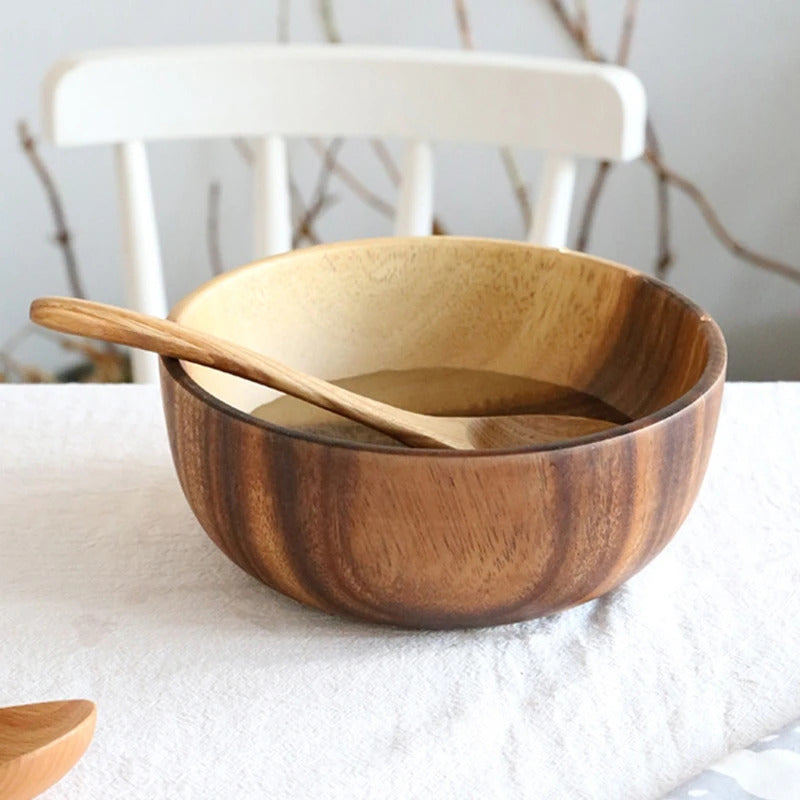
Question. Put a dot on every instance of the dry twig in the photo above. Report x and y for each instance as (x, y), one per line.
(105, 364)
(108, 354)
(353, 183)
(518, 186)
(385, 157)
(332, 34)
(328, 22)
(62, 236)
(715, 224)
(212, 228)
(25, 372)
(582, 16)
(578, 32)
(282, 33)
(629, 18)
(302, 229)
(379, 148)
(305, 231)
(604, 167)
(664, 256)
(18, 337)
(590, 205)
(464, 27)
(245, 150)
(12, 365)
(510, 165)
(321, 199)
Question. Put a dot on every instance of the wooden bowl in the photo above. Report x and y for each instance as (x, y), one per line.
(435, 538)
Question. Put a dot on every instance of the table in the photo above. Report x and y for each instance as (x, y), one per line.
(210, 685)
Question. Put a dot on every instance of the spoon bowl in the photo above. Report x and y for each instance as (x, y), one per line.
(123, 326)
(40, 743)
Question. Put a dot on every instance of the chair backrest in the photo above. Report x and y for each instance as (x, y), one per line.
(127, 97)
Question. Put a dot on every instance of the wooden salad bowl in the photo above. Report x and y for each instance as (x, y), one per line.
(444, 538)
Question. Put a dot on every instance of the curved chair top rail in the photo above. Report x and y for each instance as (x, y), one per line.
(572, 107)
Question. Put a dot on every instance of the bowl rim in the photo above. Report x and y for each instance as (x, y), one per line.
(713, 372)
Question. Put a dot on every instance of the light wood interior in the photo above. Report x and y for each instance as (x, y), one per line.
(447, 539)
(422, 303)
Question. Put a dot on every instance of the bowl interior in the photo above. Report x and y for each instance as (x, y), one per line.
(451, 325)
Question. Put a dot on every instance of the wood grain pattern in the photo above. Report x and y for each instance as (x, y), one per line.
(40, 743)
(167, 338)
(444, 391)
(442, 538)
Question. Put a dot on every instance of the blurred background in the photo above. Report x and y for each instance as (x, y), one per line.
(723, 85)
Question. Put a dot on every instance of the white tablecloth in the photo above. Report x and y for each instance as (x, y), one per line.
(209, 685)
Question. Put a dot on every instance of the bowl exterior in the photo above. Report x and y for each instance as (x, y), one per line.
(433, 539)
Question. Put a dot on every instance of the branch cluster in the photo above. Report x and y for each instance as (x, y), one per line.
(109, 364)
(576, 25)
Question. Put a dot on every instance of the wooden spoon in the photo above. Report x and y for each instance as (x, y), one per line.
(40, 743)
(167, 338)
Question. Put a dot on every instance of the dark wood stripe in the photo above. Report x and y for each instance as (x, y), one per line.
(462, 526)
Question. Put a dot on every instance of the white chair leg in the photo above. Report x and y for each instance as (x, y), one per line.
(550, 224)
(272, 226)
(415, 201)
(144, 277)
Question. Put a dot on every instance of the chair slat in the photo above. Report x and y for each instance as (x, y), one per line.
(568, 109)
(415, 200)
(144, 279)
(272, 227)
(551, 213)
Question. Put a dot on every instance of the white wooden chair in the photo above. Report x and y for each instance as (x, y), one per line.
(268, 92)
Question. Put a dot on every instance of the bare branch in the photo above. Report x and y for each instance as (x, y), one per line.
(282, 33)
(582, 17)
(62, 236)
(353, 183)
(385, 157)
(105, 364)
(464, 28)
(245, 150)
(379, 148)
(626, 35)
(579, 34)
(393, 171)
(715, 224)
(517, 185)
(25, 372)
(332, 34)
(328, 165)
(13, 366)
(18, 337)
(577, 29)
(320, 199)
(590, 205)
(212, 228)
(604, 167)
(664, 256)
(510, 165)
(665, 176)
(300, 227)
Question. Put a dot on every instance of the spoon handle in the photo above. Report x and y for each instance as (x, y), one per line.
(167, 338)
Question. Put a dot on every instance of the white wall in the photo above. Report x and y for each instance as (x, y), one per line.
(723, 79)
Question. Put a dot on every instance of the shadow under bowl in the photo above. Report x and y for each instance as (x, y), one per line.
(441, 538)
